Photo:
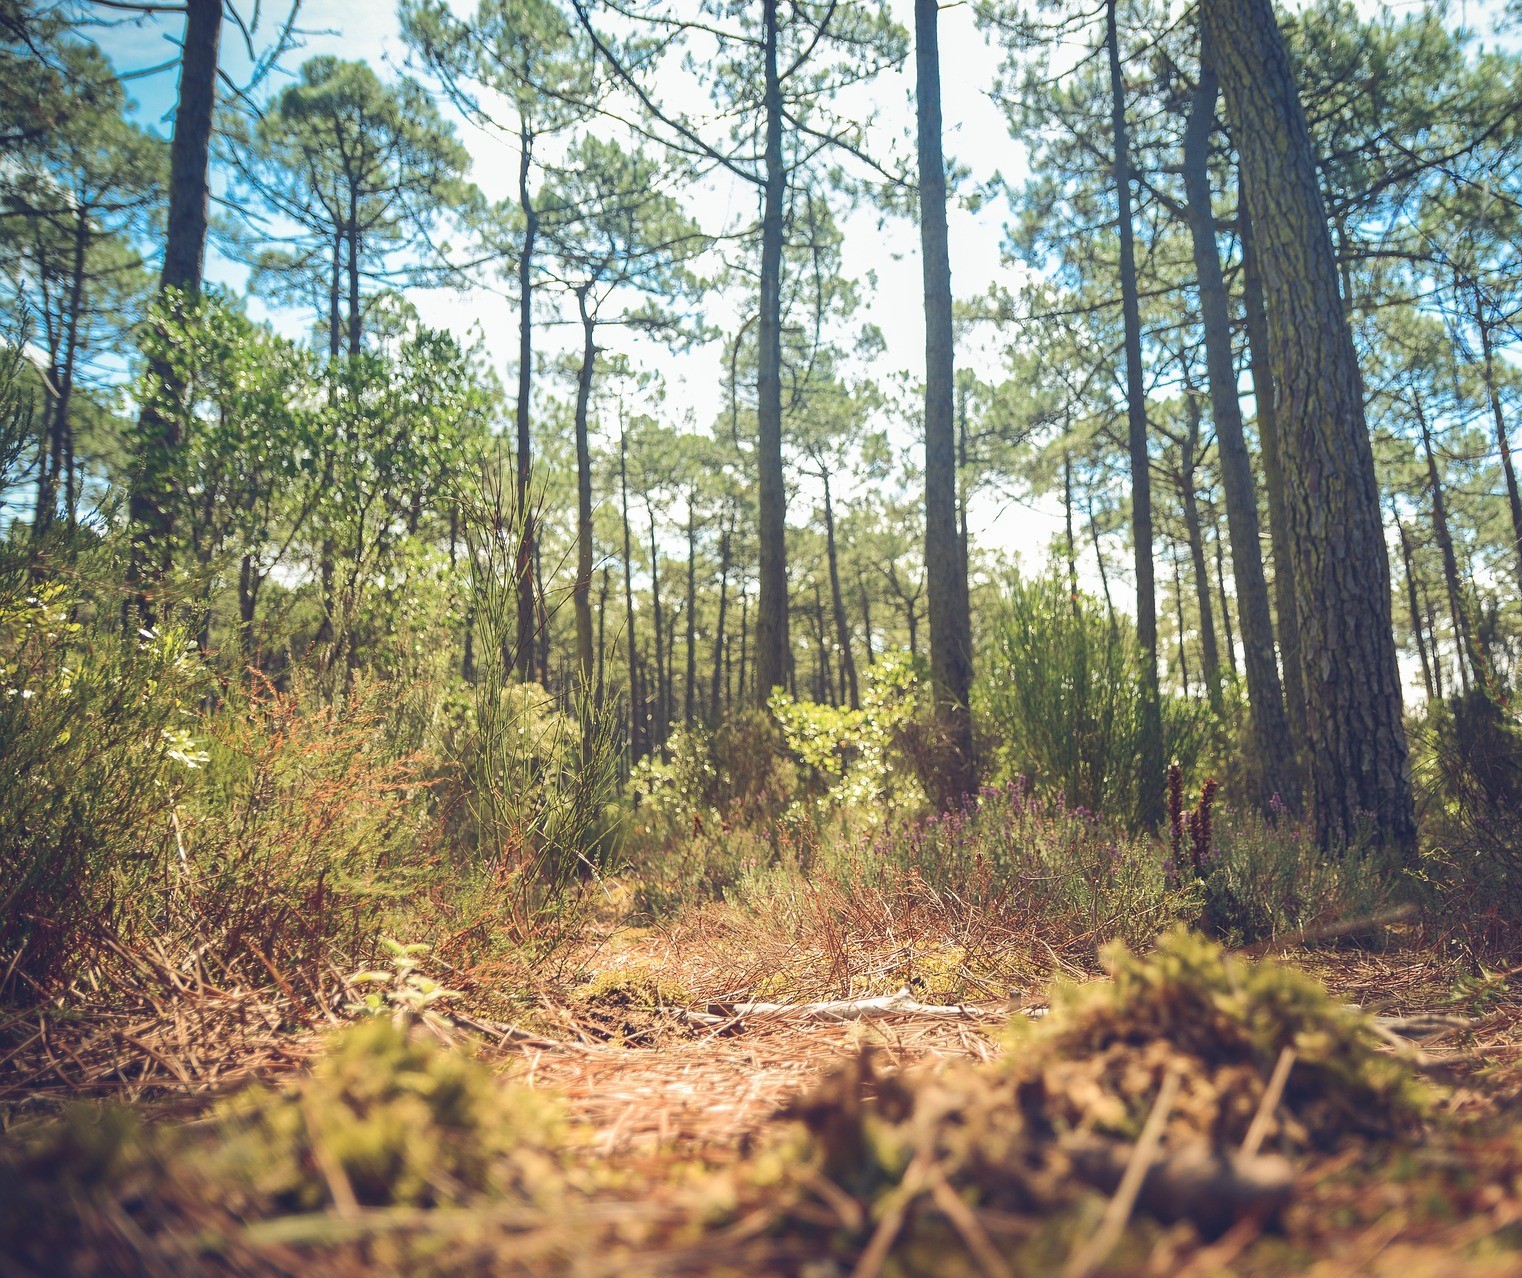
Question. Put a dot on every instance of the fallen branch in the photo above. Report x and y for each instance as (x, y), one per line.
(902, 1003)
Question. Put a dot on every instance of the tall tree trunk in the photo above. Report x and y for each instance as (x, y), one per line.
(1151, 762)
(1070, 544)
(824, 687)
(1099, 560)
(1274, 759)
(1503, 439)
(635, 740)
(771, 621)
(1178, 599)
(964, 540)
(1467, 653)
(720, 652)
(581, 595)
(1357, 742)
(335, 298)
(744, 640)
(689, 691)
(1189, 498)
(62, 405)
(662, 682)
(600, 700)
(866, 616)
(950, 622)
(838, 602)
(158, 432)
(1286, 617)
(356, 310)
(1225, 601)
(1413, 603)
(525, 457)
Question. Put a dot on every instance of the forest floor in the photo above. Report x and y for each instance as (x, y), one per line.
(682, 1145)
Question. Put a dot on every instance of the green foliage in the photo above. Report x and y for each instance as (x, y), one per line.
(406, 1122)
(98, 743)
(1062, 695)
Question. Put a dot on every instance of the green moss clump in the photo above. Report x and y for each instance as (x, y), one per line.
(405, 1121)
(636, 986)
(1222, 1021)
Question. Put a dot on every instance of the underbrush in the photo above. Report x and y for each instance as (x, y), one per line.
(396, 1154)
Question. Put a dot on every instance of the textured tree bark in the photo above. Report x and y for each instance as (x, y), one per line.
(1275, 752)
(524, 450)
(158, 436)
(771, 491)
(1288, 628)
(581, 594)
(950, 622)
(1150, 764)
(838, 602)
(1358, 755)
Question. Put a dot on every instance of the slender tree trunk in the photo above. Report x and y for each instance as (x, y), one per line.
(1178, 598)
(1070, 544)
(715, 704)
(526, 610)
(823, 683)
(838, 602)
(1357, 742)
(662, 685)
(62, 403)
(581, 596)
(1503, 439)
(1151, 761)
(356, 310)
(158, 433)
(744, 640)
(772, 621)
(1210, 653)
(964, 541)
(1099, 560)
(1413, 603)
(950, 622)
(1274, 756)
(635, 752)
(602, 649)
(1468, 655)
(249, 581)
(866, 616)
(689, 692)
(1286, 617)
(335, 299)
(1225, 601)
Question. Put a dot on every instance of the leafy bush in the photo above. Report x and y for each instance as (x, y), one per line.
(1062, 694)
(96, 749)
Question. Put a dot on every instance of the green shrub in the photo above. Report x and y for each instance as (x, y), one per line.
(1062, 694)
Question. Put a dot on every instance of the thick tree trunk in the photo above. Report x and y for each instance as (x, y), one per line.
(771, 492)
(950, 622)
(1286, 618)
(1151, 762)
(1275, 752)
(1357, 742)
(581, 594)
(525, 457)
(838, 602)
(158, 434)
